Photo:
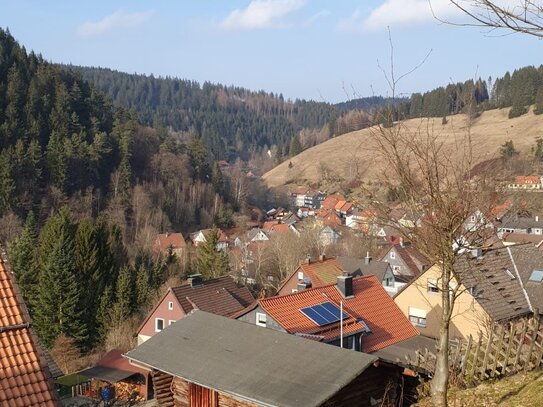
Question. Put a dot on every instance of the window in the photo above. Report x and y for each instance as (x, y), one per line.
(171, 321)
(294, 290)
(260, 319)
(536, 276)
(170, 305)
(396, 269)
(392, 255)
(417, 317)
(300, 275)
(159, 324)
(472, 218)
(431, 285)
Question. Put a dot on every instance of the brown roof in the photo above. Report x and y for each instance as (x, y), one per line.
(370, 306)
(280, 228)
(268, 225)
(528, 258)
(321, 272)
(221, 296)
(527, 179)
(166, 240)
(331, 200)
(24, 377)
(495, 282)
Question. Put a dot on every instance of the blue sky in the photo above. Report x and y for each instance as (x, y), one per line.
(313, 49)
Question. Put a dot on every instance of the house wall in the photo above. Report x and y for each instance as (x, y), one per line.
(186, 394)
(161, 311)
(250, 317)
(397, 261)
(376, 386)
(290, 284)
(468, 318)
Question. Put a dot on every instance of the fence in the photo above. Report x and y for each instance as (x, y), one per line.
(505, 350)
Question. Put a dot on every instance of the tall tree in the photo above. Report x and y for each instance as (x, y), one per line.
(211, 262)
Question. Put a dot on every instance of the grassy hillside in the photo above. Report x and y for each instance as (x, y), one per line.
(521, 390)
(344, 154)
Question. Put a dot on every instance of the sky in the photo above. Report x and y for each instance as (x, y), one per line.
(313, 49)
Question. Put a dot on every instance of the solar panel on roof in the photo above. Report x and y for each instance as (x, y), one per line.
(324, 313)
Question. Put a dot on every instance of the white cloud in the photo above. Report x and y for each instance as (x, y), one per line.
(316, 16)
(119, 19)
(261, 14)
(398, 12)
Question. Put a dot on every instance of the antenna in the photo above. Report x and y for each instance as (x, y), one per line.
(341, 324)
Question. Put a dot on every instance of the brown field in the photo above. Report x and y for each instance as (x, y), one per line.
(343, 154)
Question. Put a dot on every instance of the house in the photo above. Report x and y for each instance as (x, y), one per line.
(328, 236)
(478, 221)
(343, 208)
(406, 261)
(307, 197)
(25, 378)
(367, 267)
(312, 273)
(526, 225)
(165, 242)
(526, 182)
(200, 237)
(115, 371)
(494, 286)
(355, 219)
(328, 217)
(331, 201)
(257, 235)
(221, 296)
(304, 212)
(208, 360)
(283, 228)
(370, 320)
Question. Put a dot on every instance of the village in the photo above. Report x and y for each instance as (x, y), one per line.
(259, 337)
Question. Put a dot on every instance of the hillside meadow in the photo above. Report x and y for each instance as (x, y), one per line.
(353, 155)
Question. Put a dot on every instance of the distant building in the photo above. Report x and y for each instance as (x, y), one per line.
(527, 182)
(169, 241)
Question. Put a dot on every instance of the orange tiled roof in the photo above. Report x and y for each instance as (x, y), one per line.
(339, 204)
(268, 225)
(321, 272)
(24, 377)
(331, 200)
(280, 228)
(165, 240)
(370, 304)
(527, 179)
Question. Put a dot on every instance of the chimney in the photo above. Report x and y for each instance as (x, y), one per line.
(307, 260)
(345, 285)
(303, 285)
(476, 252)
(195, 280)
(401, 241)
(537, 218)
(322, 257)
(367, 259)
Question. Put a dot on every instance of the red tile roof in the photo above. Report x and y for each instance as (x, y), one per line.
(166, 240)
(321, 272)
(331, 200)
(370, 305)
(24, 377)
(268, 225)
(527, 179)
(280, 228)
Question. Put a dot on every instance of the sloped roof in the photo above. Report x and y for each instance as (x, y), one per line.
(251, 363)
(331, 200)
(280, 228)
(24, 377)
(268, 224)
(222, 236)
(321, 272)
(528, 258)
(370, 304)
(221, 296)
(353, 265)
(166, 240)
(497, 286)
(527, 179)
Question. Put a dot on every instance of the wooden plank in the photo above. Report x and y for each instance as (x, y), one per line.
(494, 369)
(509, 345)
(488, 348)
(466, 355)
(520, 345)
(476, 357)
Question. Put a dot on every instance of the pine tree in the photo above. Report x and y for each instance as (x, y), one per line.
(217, 179)
(538, 151)
(124, 295)
(538, 109)
(295, 146)
(57, 304)
(210, 262)
(22, 260)
(142, 285)
(507, 151)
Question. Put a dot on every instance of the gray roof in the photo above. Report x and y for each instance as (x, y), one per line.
(520, 222)
(402, 352)
(527, 259)
(495, 282)
(251, 362)
(356, 266)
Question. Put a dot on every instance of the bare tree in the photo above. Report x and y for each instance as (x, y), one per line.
(522, 16)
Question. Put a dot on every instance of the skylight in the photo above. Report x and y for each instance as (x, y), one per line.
(536, 276)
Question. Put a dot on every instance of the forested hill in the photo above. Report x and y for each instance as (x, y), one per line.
(230, 120)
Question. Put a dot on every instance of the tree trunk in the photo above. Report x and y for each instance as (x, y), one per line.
(440, 380)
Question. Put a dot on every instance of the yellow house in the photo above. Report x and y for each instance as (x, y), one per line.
(491, 290)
